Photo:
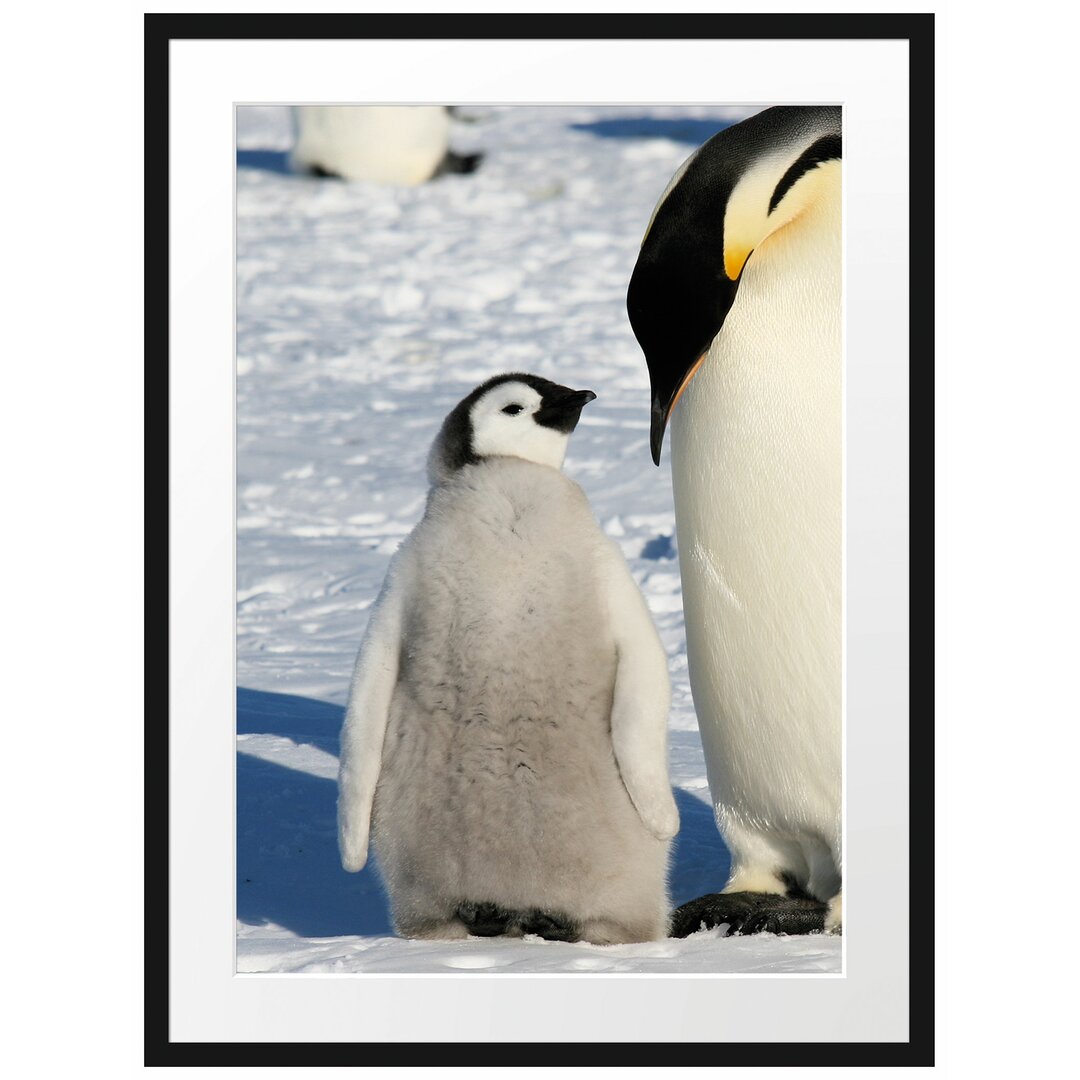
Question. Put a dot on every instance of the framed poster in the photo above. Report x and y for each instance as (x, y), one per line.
(636, 95)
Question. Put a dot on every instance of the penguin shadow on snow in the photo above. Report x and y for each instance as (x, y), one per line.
(660, 548)
(288, 869)
(700, 861)
(273, 161)
(678, 129)
(287, 865)
(280, 163)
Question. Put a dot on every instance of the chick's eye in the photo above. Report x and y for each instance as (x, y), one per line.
(513, 410)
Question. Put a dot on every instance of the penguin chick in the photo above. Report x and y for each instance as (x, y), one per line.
(506, 735)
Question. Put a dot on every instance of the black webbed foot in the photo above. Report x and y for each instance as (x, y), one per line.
(750, 913)
(453, 164)
(490, 920)
(549, 926)
(485, 920)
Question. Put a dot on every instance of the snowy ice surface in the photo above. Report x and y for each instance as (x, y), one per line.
(364, 314)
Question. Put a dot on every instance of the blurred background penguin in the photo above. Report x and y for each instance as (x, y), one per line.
(383, 144)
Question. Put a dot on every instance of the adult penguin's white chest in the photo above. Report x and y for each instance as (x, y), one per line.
(757, 471)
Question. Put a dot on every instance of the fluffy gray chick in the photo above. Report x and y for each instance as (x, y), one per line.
(505, 741)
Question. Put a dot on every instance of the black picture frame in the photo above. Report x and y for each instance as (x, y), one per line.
(919, 31)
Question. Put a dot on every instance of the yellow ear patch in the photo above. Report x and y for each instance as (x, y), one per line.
(747, 220)
(746, 217)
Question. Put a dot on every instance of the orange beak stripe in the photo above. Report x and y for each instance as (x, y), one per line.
(734, 261)
(684, 384)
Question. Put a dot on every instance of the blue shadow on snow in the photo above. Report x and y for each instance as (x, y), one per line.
(275, 161)
(288, 871)
(701, 862)
(679, 129)
(287, 866)
(659, 547)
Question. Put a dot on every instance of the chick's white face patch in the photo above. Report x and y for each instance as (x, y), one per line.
(504, 424)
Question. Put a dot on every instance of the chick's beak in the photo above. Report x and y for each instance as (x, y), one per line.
(562, 412)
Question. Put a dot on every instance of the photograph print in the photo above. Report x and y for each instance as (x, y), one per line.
(539, 449)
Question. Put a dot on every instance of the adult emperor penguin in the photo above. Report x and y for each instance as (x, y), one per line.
(736, 302)
(385, 144)
(505, 738)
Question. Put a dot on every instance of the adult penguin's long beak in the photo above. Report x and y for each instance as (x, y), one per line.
(676, 313)
(665, 396)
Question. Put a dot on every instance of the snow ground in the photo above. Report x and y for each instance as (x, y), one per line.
(363, 315)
